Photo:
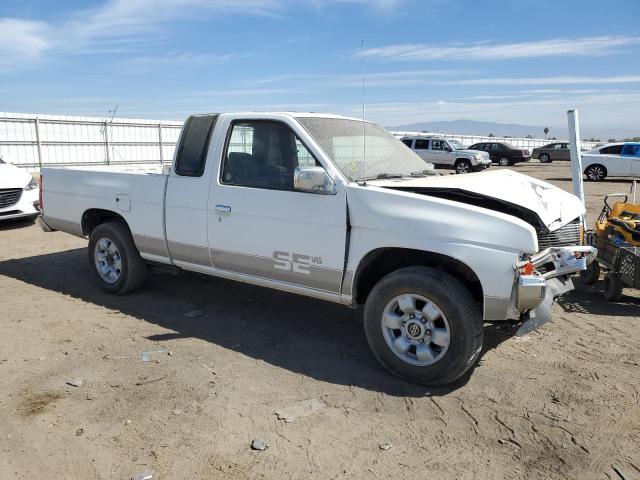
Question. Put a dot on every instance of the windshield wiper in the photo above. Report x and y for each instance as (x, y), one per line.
(384, 176)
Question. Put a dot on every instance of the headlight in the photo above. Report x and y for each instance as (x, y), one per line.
(32, 184)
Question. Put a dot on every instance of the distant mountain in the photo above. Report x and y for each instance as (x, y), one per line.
(473, 127)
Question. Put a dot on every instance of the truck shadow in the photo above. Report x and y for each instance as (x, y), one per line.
(318, 339)
(590, 299)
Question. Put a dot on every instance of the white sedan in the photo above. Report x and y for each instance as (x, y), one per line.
(18, 193)
(612, 160)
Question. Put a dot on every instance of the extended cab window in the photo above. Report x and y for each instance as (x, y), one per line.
(407, 142)
(422, 145)
(194, 145)
(263, 154)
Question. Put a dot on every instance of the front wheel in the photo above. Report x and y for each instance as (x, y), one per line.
(595, 173)
(505, 162)
(115, 259)
(423, 326)
(463, 166)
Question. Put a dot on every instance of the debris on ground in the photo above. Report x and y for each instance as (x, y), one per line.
(302, 409)
(147, 356)
(209, 369)
(75, 382)
(259, 444)
(385, 446)
(146, 475)
(79, 432)
(194, 313)
(177, 411)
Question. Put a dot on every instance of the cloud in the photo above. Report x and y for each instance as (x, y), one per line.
(117, 24)
(170, 62)
(597, 110)
(373, 79)
(559, 47)
(557, 80)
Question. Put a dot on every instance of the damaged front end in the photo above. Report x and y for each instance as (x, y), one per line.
(545, 277)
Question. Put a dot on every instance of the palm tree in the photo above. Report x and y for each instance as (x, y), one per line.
(546, 131)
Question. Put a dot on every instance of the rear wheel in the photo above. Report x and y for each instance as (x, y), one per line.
(115, 259)
(545, 158)
(423, 326)
(612, 287)
(595, 173)
(463, 166)
(591, 275)
(505, 162)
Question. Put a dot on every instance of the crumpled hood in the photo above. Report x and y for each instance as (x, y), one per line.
(552, 205)
(13, 177)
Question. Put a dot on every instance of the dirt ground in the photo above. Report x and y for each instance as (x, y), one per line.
(562, 402)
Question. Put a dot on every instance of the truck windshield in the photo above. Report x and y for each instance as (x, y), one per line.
(363, 152)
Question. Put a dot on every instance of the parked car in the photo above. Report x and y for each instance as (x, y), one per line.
(286, 200)
(447, 153)
(18, 193)
(503, 153)
(552, 151)
(605, 162)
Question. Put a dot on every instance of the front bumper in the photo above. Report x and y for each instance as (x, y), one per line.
(480, 166)
(26, 206)
(536, 293)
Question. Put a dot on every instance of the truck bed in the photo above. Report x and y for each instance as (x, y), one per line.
(135, 193)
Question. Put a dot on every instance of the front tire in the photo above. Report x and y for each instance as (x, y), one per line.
(595, 173)
(545, 158)
(115, 259)
(505, 162)
(423, 326)
(463, 166)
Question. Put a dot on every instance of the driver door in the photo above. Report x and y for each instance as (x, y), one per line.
(259, 225)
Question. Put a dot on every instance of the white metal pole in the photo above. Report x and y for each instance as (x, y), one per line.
(576, 157)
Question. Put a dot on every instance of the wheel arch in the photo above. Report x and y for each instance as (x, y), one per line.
(380, 262)
(93, 217)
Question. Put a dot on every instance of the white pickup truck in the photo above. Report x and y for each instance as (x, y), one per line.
(287, 201)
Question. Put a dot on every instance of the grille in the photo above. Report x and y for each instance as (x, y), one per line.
(565, 236)
(9, 196)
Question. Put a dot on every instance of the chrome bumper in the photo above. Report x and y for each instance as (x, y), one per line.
(536, 293)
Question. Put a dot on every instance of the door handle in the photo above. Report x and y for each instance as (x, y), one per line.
(223, 208)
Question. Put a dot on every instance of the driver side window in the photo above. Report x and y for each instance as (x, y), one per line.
(263, 154)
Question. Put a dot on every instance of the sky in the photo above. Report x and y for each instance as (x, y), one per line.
(508, 61)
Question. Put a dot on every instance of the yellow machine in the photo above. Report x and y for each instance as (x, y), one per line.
(619, 223)
(617, 238)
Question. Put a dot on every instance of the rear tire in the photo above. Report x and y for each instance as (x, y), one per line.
(115, 259)
(595, 173)
(443, 338)
(505, 162)
(545, 158)
(592, 274)
(612, 287)
(463, 166)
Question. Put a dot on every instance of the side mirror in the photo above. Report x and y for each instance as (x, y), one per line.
(313, 180)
